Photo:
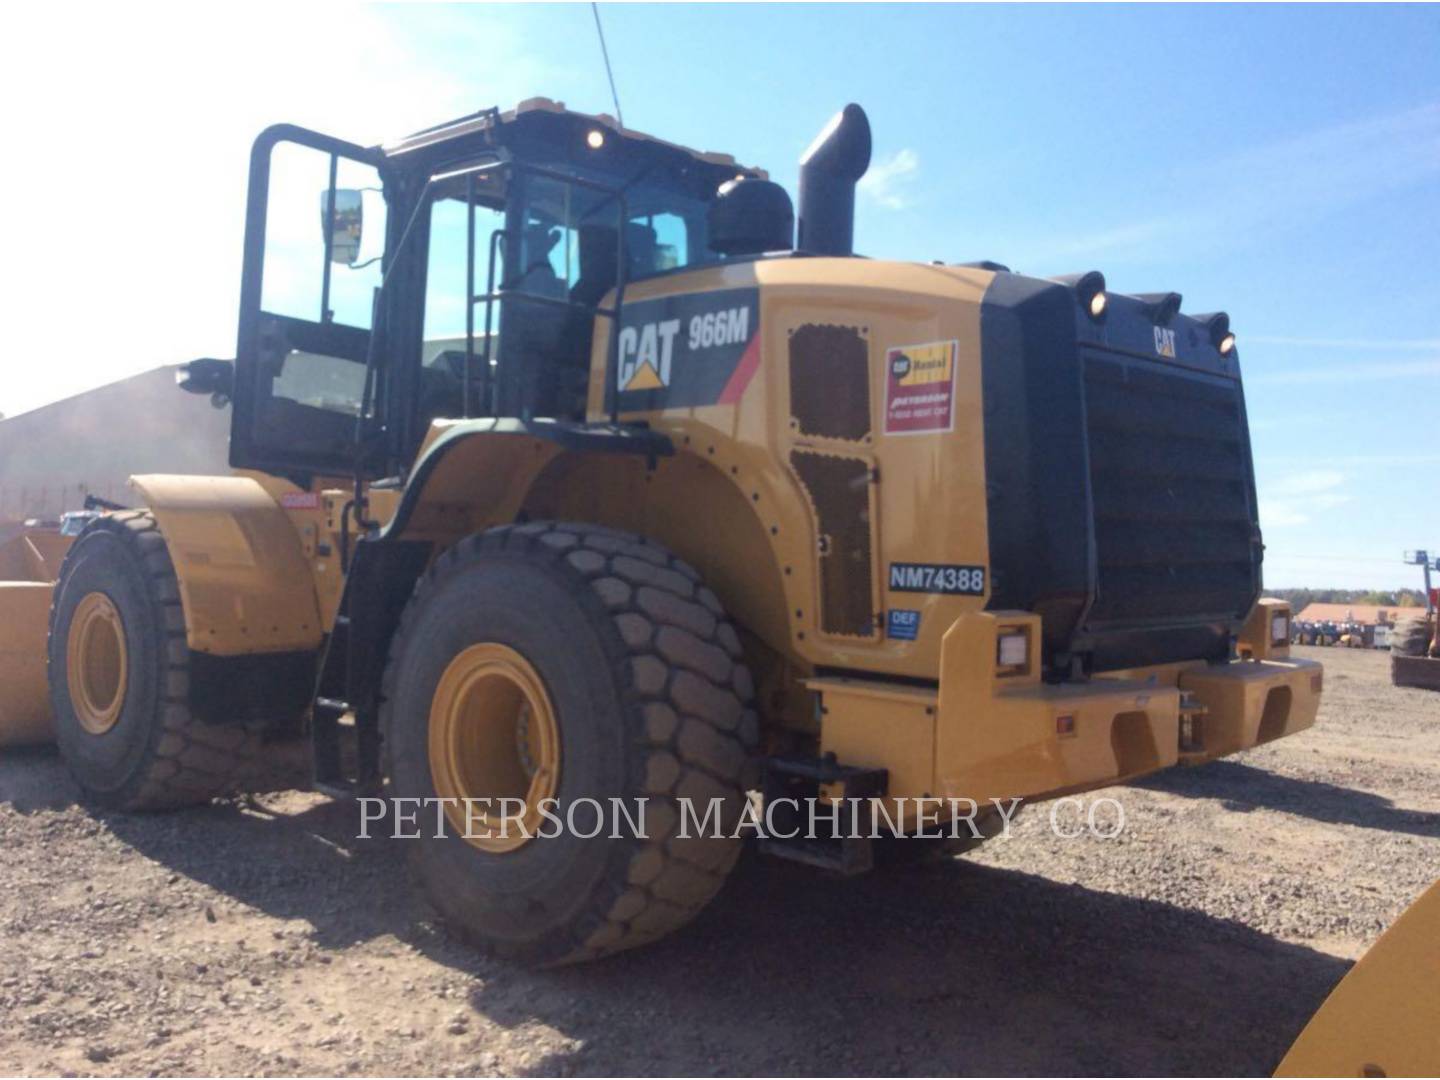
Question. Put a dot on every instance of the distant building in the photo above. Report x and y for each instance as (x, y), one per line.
(90, 444)
(1364, 614)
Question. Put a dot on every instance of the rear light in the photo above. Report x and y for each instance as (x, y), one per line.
(1280, 628)
(1012, 650)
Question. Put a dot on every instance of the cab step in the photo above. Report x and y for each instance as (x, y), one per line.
(793, 784)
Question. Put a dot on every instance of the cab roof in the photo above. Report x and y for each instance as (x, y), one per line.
(541, 118)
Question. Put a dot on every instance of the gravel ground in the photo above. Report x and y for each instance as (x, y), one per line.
(261, 937)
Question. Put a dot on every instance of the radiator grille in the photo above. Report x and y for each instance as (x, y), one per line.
(1171, 492)
(830, 381)
(839, 490)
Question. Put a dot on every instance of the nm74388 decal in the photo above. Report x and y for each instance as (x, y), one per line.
(937, 578)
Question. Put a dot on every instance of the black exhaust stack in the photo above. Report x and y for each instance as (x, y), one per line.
(829, 171)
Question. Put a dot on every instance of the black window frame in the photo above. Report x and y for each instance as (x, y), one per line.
(257, 327)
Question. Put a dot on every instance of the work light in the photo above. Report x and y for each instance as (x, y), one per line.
(1217, 326)
(1280, 628)
(1090, 289)
(1013, 650)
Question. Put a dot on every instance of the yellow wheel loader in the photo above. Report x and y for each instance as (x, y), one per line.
(573, 469)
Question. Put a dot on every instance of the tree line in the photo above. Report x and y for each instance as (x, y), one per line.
(1381, 598)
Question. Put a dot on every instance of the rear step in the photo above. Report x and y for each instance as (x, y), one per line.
(848, 849)
(1192, 728)
(345, 745)
(334, 729)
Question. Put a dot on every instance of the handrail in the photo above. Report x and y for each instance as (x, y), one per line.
(493, 294)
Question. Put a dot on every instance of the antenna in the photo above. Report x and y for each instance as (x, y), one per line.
(619, 116)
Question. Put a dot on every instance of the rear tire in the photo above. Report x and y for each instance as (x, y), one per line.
(1410, 637)
(120, 680)
(643, 681)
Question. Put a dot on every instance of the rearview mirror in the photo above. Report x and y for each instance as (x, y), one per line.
(208, 376)
(344, 222)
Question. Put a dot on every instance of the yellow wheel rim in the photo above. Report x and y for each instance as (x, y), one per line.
(493, 737)
(96, 663)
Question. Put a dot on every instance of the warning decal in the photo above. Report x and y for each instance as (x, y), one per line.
(920, 388)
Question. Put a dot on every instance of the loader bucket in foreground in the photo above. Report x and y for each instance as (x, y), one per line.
(1380, 1020)
(29, 565)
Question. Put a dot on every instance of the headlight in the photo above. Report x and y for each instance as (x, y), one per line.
(1013, 650)
(1280, 629)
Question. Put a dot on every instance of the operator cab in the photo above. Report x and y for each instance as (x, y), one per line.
(459, 272)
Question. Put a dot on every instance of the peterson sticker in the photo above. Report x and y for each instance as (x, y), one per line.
(920, 388)
(683, 351)
(937, 578)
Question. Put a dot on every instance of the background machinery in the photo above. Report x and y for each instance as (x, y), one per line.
(1415, 642)
(568, 468)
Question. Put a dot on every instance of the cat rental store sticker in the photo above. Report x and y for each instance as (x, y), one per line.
(920, 388)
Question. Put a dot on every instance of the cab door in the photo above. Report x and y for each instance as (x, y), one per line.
(314, 234)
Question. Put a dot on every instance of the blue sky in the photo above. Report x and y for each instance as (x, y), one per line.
(1281, 163)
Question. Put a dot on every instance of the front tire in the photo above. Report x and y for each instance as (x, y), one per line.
(608, 650)
(121, 680)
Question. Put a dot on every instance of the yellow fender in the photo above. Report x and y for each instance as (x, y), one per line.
(1384, 1017)
(245, 584)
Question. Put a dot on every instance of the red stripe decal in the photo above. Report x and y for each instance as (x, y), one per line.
(744, 372)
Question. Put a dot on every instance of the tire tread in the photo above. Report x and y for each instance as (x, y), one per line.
(190, 762)
(663, 881)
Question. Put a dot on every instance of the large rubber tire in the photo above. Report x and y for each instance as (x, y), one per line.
(652, 700)
(157, 755)
(1410, 637)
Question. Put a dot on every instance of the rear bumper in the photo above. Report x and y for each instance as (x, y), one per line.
(983, 736)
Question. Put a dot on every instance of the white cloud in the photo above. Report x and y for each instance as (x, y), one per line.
(1292, 499)
(1254, 192)
(1357, 460)
(888, 182)
(1357, 344)
(1359, 371)
(131, 240)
